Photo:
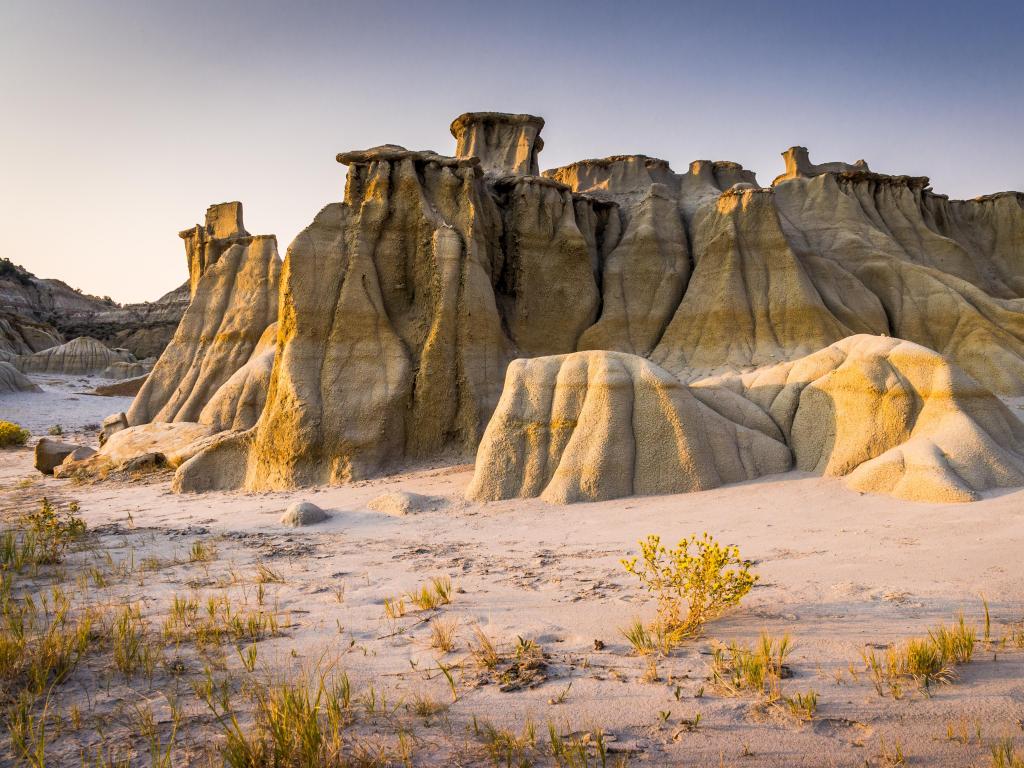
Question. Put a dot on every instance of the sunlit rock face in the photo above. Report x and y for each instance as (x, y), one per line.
(400, 307)
(235, 298)
(504, 144)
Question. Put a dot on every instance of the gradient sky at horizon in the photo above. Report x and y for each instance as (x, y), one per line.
(124, 120)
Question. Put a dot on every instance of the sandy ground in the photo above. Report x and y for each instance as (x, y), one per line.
(839, 572)
(64, 401)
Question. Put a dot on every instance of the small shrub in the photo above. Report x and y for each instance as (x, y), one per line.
(12, 434)
(892, 756)
(56, 430)
(267, 575)
(433, 595)
(802, 705)
(693, 582)
(201, 552)
(955, 644)
(48, 532)
(425, 706)
(394, 607)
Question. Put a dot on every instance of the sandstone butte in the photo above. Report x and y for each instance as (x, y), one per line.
(607, 328)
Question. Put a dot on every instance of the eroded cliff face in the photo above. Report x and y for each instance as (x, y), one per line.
(36, 314)
(390, 342)
(402, 305)
(235, 299)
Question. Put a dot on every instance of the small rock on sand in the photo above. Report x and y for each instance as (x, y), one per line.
(400, 503)
(303, 513)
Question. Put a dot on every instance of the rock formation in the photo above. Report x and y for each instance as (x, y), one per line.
(49, 454)
(83, 355)
(504, 144)
(799, 166)
(121, 387)
(889, 415)
(239, 401)
(236, 285)
(303, 513)
(638, 300)
(38, 314)
(21, 336)
(600, 425)
(13, 380)
(127, 370)
(149, 446)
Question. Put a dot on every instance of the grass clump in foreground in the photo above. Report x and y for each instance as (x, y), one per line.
(925, 661)
(738, 669)
(693, 582)
(42, 637)
(300, 723)
(1004, 756)
(12, 434)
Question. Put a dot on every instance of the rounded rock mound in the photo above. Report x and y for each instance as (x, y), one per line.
(83, 355)
(302, 513)
(401, 503)
(591, 426)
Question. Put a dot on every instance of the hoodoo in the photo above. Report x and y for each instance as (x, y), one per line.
(235, 278)
(504, 144)
(724, 323)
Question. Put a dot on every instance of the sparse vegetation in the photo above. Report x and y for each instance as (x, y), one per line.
(201, 552)
(483, 651)
(925, 661)
(1004, 755)
(693, 582)
(55, 431)
(12, 434)
(738, 669)
(891, 755)
(433, 595)
(442, 634)
(300, 723)
(639, 638)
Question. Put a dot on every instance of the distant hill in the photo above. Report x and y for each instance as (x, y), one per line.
(37, 313)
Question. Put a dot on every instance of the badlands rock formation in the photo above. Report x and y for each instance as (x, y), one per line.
(890, 415)
(648, 297)
(38, 314)
(13, 380)
(235, 277)
(599, 425)
(83, 355)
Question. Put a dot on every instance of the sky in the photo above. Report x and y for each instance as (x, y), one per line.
(121, 121)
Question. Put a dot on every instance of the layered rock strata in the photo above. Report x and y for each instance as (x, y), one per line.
(402, 305)
(235, 299)
(83, 355)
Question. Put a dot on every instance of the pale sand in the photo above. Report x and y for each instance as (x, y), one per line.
(64, 401)
(838, 571)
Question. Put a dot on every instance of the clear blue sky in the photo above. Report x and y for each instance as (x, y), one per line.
(122, 121)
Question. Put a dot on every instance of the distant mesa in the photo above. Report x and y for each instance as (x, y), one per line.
(607, 328)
